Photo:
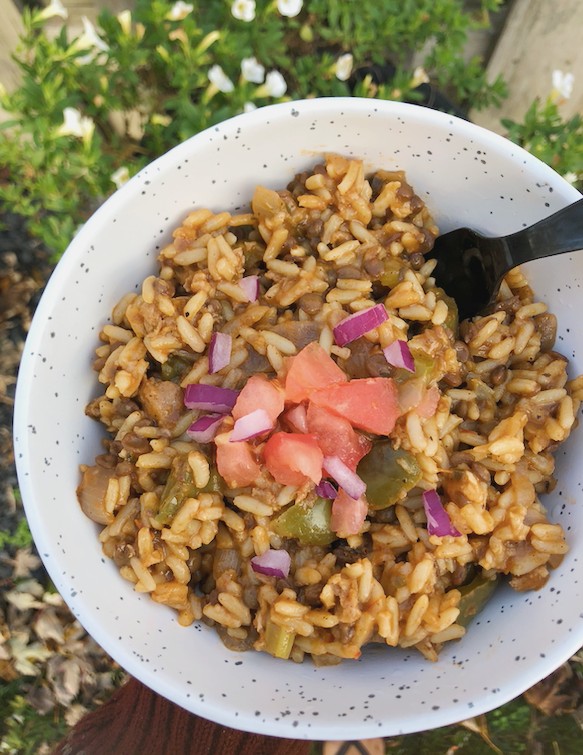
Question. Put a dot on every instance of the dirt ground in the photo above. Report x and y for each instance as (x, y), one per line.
(24, 270)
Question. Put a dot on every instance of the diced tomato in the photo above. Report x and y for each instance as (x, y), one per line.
(310, 370)
(348, 515)
(296, 418)
(235, 462)
(367, 403)
(293, 458)
(336, 436)
(427, 407)
(260, 393)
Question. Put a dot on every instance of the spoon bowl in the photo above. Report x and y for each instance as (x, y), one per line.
(471, 266)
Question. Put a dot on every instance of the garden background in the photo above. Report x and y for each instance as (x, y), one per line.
(90, 93)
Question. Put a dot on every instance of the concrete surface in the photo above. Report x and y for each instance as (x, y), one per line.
(10, 29)
(538, 37)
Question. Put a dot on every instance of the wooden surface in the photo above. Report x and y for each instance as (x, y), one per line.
(136, 721)
(539, 36)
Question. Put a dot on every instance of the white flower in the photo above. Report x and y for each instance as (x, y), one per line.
(562, 84)
(91, 41)
(252, 70)
(219, 79)
(178, 34)
(571, 177)
(207, 41)
(243, 10)
(289, 8)
(249, 107)
(163, 53)
(343, 67)
(90, 37)
(275, 85)
(157, 119)
(179, 11)
(75, 124)
(54, 8)
(120, 176)
(419, 77)
(125, 21)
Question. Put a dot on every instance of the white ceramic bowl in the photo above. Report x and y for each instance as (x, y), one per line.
(467, 176)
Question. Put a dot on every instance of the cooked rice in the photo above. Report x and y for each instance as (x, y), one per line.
(319, 247)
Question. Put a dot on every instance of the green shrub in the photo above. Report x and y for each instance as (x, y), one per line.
(24, 732)
(20, 538)
(555, 141)
(93, 109)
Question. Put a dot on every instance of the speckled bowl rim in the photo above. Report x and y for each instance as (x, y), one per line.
(290, 723)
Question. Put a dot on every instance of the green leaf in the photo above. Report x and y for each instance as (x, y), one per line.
(19, 538)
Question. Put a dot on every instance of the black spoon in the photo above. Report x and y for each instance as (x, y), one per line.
(470, 267)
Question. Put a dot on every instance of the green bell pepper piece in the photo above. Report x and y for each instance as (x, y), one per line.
(180, 486)
(389, 474)
(475, 595)
(309, 525)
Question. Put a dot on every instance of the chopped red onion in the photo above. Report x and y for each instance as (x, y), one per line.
(273, 563)
(210, 398)
(438, 521)
(219, 351)
(204, 429)
(250, 286)
(356, 325)
(325, 489)
(399, 354)
(250, 425)
(348, 480)
(410, 393)
(297, 418)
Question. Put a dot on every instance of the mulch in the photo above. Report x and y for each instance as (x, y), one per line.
(24, 269)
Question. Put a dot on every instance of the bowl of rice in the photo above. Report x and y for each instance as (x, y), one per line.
(267, 466)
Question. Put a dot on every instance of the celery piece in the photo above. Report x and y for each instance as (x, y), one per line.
(452, 319)
(278, 640)
(391, 272)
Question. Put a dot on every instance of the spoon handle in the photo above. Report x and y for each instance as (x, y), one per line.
(557, 234)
